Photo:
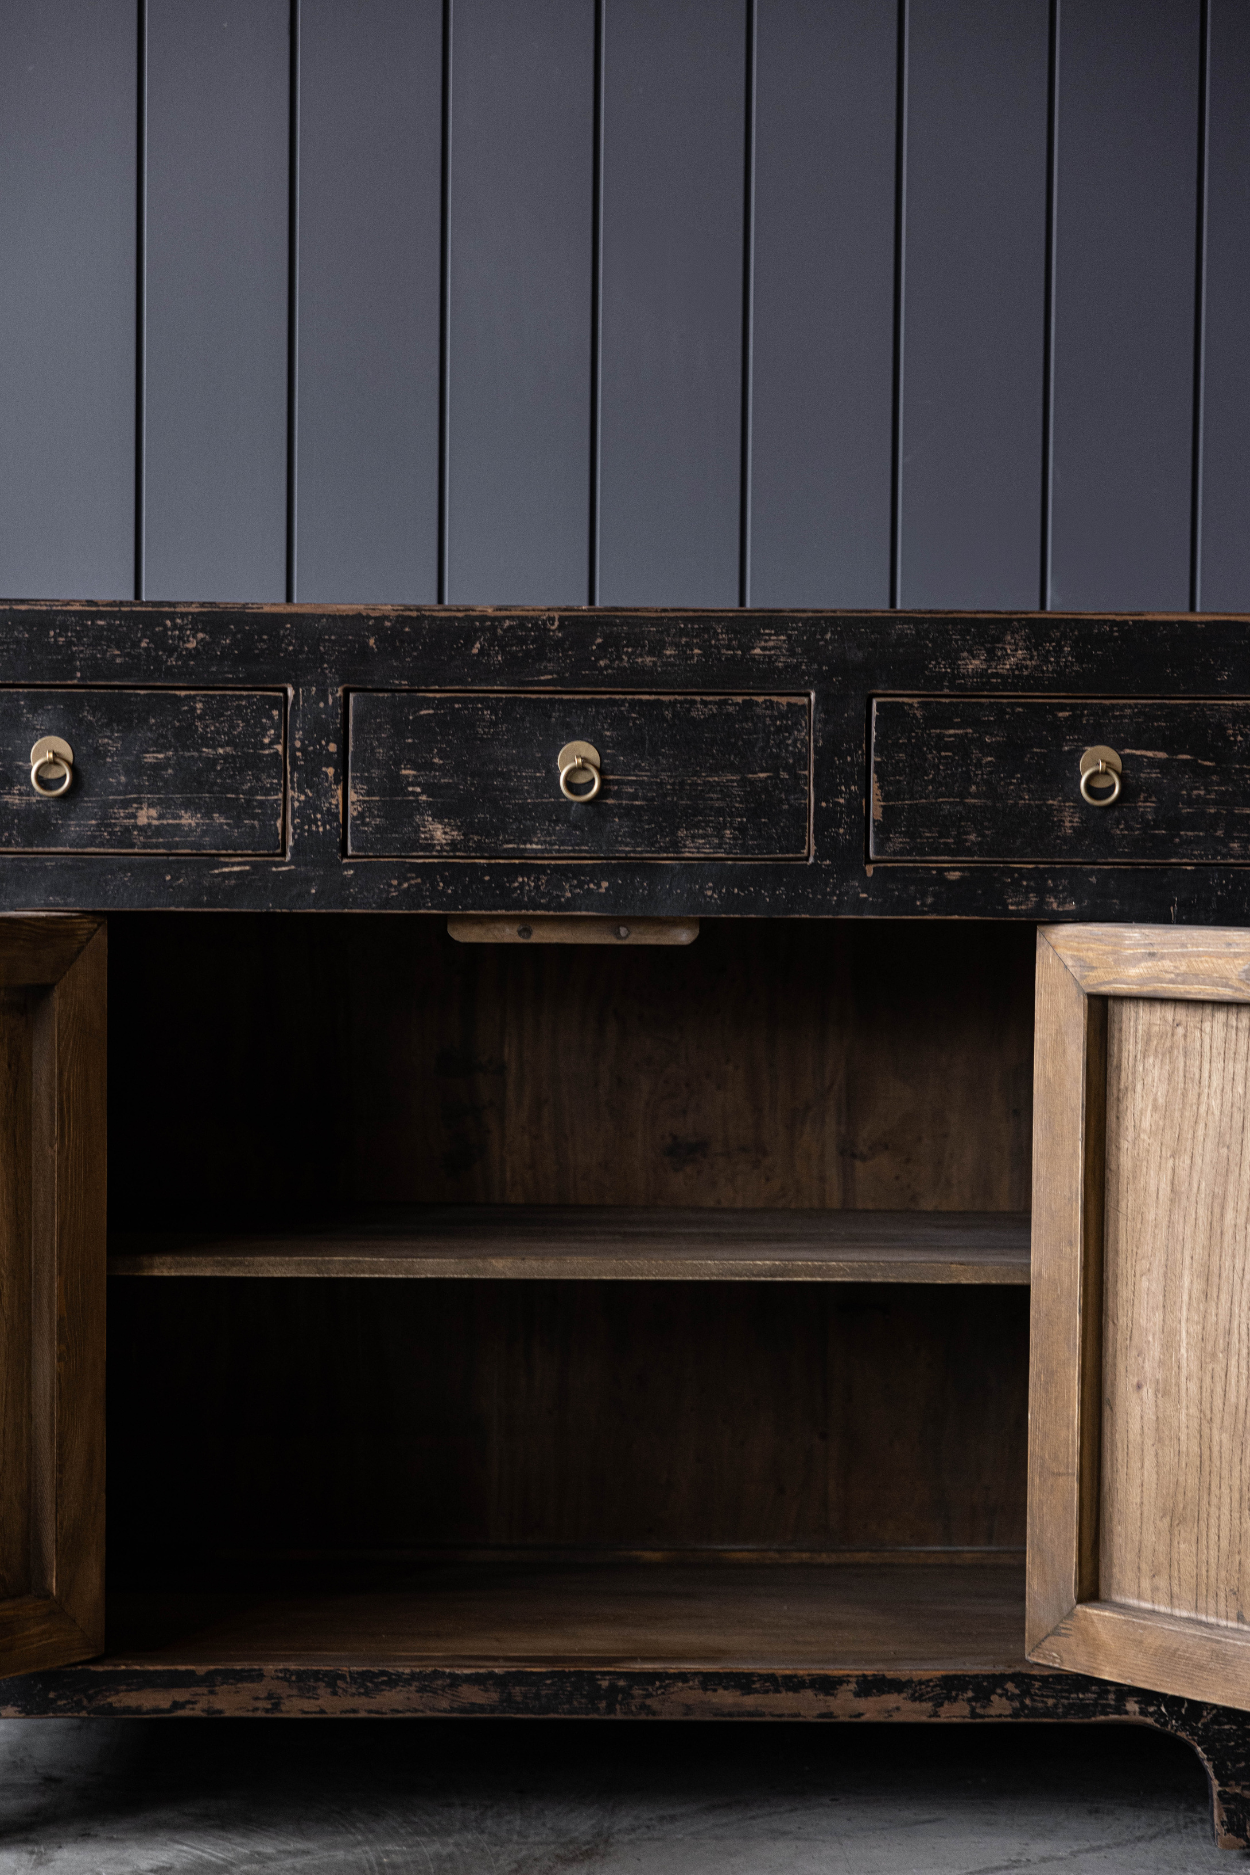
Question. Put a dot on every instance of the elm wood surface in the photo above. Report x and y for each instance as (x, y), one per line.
(773, 1064)
(1140, 1388)
(360, 1417)
(843, 660)
(890, 1614)
(594, 1242)
(52, 1262)
(475, 777)
(980, 779)
(157, 771)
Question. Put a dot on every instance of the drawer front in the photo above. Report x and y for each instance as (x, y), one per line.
(987, 778)
(476, 777)
(154, 771)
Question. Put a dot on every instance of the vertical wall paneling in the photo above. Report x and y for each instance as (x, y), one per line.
(68, 186)
(670, 420)
(215, 405)
(521, 207)
(1125, 245)
(825, 81)
(367, 324)
(970, 469)
(1223, 561)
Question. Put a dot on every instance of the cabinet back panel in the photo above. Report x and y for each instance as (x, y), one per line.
(324, 1060)
(362, 1416)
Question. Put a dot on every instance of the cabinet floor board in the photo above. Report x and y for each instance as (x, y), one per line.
(927, 1616)
(585, 1242)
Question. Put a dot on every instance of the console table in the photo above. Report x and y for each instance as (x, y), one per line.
(764, 1237)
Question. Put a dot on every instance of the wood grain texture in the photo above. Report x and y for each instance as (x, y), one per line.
(476, 777)
(1176, 1358)
(52, 1269)
(1068, 1045)
(71, 1026)
(1171, 1653)
(16, 1303)
(989, 779)
(800, 1065)
(1156, 961)
(356, 1418)
(733, 1615)
(154, 771)
(597, 1243)
(584, 930)
(39, 947)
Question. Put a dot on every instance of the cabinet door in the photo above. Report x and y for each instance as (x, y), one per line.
(52, 1274)
(1139, 1460)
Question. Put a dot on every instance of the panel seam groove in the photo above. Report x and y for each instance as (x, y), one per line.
(748, 298)
(292, 307)
(900, 256)
(1200, 299)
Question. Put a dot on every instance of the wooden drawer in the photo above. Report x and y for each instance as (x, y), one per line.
(154, 771)
(992, 778)
(475, 776)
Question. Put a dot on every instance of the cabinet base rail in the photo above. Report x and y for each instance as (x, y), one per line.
(1220, 1737)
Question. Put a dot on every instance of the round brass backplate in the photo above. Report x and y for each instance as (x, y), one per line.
(579, 761)
(51, 765)
(1101, 767)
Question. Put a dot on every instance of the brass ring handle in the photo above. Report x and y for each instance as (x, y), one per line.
(54, 754)
(579, 759)
(1101, 764)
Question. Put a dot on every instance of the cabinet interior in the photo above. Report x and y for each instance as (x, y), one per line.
(573, 1468)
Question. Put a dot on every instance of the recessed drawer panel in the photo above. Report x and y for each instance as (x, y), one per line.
(988, 778)
(153, 771)
(478, 777)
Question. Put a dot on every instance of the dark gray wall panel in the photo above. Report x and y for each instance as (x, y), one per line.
(520, 300)
(1126, 225)
(823, 318)
(671, 363)
(1224, 555)
(215, 405)
(369, 259)
(68, 144)
(974, 261)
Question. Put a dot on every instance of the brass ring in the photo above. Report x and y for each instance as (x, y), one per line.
(1101, 764)
(52, 753)
(580, 767)
(1102, 772)
(579, 758)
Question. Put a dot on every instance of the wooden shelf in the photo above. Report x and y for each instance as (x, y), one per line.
(608, 1243)
(912, 1615)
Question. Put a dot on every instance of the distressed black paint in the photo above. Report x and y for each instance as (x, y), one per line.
(154, 771)
(991, 779)
(477, 777)
(841, 659)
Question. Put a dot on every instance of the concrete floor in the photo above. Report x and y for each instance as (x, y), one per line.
(134, 1797)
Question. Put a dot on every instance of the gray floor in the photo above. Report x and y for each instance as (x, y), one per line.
(500, 1798)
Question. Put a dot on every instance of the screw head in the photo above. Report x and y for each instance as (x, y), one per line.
(524, 931)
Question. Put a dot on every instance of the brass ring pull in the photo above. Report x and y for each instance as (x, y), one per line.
(51, 761)
(579, 759)
(1103, 766)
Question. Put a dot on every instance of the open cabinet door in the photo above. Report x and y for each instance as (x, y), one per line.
(1139, 1389)
(52, 1285)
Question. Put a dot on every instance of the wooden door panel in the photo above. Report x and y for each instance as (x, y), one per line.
(1139, 1528)
(52, 1275)
(1175, 1471)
